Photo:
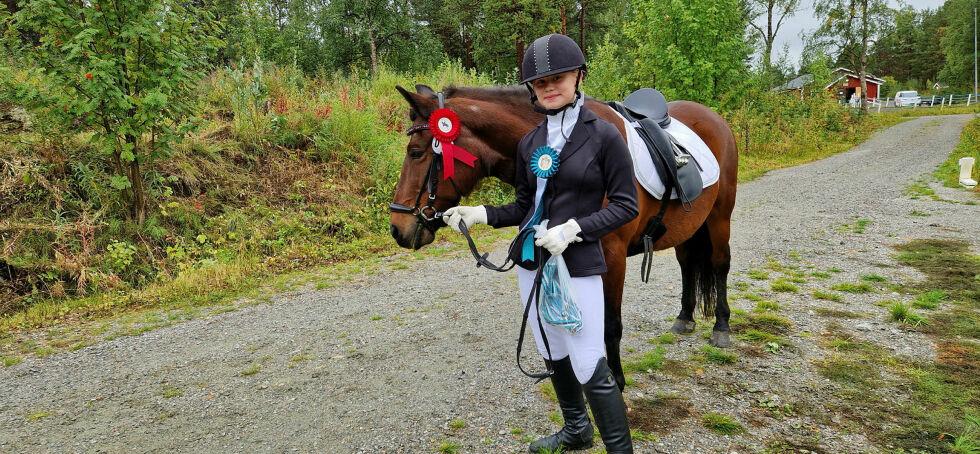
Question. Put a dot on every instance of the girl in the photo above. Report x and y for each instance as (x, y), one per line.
(566, 167)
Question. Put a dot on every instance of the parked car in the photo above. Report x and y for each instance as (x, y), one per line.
(907, 98)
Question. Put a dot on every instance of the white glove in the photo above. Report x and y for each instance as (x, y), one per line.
(557, 238)
(470, 215)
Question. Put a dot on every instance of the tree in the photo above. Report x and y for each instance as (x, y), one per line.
(849, 28)
(908, 49)
(363, 33)
(958, 44)
(770, 10)
(509, 27)
(124, 69)
(689, 49)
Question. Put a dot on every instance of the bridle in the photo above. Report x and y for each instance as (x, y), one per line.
(427, 216)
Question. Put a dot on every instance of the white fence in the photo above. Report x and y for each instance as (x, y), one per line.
(937, 101)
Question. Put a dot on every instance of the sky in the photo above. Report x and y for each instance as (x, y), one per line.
(804, 22)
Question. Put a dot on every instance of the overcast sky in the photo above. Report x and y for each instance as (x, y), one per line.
(804, 22)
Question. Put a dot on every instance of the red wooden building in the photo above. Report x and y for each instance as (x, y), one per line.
(846, 84)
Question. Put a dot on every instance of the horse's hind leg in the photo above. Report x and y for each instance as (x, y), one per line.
(720, 264)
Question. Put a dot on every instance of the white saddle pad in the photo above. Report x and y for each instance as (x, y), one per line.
(646, 172)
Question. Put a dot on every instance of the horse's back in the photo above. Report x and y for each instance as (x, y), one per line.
(716, 133)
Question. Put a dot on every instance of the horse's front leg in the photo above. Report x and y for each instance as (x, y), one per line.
(612, 289)
(684, 323)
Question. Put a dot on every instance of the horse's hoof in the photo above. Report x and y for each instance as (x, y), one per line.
(682, 326)
(721, 339)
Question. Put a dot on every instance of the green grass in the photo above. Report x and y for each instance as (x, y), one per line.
(782, 285)
(548, 391)
(935, 393)
(929, 300)
(11, 360)
(666, 339)
(171, 391)
(251, 370)
(967, 441)
(717, 355)
(767, 322)
(873, 278)
(903, 314)
(39, 415)
(721, 424)
(861, 225)
(758, 275)
(650, 361)
(766, 306)
(820, 275)
(761, 337)
(822, 295)
(457, 424)
(448, 447)
(847, 371)
(847, 287)
(948, 172)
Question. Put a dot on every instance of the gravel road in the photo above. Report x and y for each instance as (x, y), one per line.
(388, 362)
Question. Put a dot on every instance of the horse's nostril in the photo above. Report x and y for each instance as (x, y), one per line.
(394, 231)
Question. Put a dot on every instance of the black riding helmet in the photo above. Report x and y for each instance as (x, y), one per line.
(549, 55)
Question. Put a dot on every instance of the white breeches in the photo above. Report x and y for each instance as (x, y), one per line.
(583, 348)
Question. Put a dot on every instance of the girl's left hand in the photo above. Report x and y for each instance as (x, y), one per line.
(557, 238)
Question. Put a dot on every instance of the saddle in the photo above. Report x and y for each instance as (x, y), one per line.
(646, 110)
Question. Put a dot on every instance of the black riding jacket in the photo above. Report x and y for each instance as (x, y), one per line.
(593, 165)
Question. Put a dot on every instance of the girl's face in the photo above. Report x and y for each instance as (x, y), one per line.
(556, 90)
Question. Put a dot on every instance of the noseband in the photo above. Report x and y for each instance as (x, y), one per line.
(427, 216)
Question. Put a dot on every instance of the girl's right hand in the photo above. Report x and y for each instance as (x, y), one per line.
(470, 215)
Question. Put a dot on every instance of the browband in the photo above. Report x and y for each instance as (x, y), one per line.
(417, 128)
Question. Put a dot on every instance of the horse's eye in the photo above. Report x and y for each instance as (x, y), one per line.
(415, 153)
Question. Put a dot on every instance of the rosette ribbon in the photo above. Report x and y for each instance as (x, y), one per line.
(444, 125)
(544, 165)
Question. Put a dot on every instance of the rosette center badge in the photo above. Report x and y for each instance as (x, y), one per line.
(544, 162)
(445, 125)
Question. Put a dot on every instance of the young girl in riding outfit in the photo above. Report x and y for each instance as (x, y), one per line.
(592, 164)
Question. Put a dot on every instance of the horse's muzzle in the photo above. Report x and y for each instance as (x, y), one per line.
(412, 237)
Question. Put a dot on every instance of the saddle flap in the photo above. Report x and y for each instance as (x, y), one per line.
(648, 103)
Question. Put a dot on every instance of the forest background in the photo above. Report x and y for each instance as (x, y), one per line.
(174, 153)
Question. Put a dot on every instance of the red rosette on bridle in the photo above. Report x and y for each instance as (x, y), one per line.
(445, 126)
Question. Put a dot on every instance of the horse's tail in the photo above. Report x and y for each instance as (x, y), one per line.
(703, 278)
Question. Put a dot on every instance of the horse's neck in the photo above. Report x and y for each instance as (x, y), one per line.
(501, 134)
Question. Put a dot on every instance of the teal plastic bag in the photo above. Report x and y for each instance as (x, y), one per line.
(557, 304)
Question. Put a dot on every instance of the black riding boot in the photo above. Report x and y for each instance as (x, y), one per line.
(577, 433)
(609, 410)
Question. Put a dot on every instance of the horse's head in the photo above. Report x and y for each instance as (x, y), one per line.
(422, 192)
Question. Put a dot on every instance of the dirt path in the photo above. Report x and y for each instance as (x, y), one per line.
(411, 359)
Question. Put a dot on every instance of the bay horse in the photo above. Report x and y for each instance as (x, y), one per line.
(493, 122)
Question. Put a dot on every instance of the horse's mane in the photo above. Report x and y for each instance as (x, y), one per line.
(515, 95)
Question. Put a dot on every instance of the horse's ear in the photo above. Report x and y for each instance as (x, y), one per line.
(421, 105)
(425, 90)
